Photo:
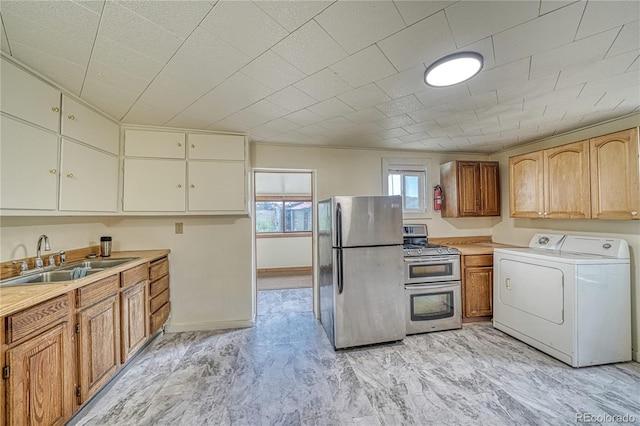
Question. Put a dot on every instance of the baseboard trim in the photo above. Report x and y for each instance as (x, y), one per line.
(305, 269)
(208, 326)
(635, 355)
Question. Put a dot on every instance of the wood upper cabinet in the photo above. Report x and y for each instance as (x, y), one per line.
(615, 176)
(471, 188)
(28, 97)
(552, 183)
(566, 181)
(40, 364)
(477, 286)
(28, 181)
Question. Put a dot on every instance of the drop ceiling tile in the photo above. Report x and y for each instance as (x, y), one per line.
(433, 96)
(4, 42)
(397, 121)
(177, 17)
(414, 11)
(424, 42)
(126, 27)
(478, 125)
(419, 136)
(312, 130)
(393, 133)
(323, 85)
(255, 115)
(364, 67)
(331, 108)
(124, 58)
(292, 14)
(572, 54)
(481, 101)
(596, 70)
(431, 113)
(457, 119)
(601, 15)
(244, 26)
(544, 33)
(291, 99)
(281, 125)
(364, 97)
(116, 78)
(66, 74)
(556, 97)
(400, 106)
(237, 92)
(626, 83)
(502, 76)
(110, 99)
(547, 6)
(337, 124)
(531, 88)
(356, 25)
(197, 62)
(404, 83)
(366, 115)
(474, 20)
(628, 39)
(273, 71)
(59, 42)
(304, 117)
(310, 48)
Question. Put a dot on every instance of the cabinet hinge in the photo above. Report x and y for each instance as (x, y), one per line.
(78, 391)
(6, 372)
(77, 328)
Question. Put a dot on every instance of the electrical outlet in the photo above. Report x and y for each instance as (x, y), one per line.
(179, 229)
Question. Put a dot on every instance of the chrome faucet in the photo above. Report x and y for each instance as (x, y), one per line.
(47, 247)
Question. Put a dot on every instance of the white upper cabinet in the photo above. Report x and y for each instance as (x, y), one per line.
(88, 179)
(216, 186)
(154, 185)
(216, 147)
(154, 144)
(86, 125)
(28, 167)
(29, 98)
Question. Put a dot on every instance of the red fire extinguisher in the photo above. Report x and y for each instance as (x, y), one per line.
(437, 197)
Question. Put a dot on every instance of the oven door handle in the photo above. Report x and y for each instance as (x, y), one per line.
(429, 259)
(429, 286)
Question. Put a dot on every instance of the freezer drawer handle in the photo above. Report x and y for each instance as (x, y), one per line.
(340, 273)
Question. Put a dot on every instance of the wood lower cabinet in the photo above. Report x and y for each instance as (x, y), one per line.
(40, 364)
(477, 286)
(471, 188)
(134, 310)
(98, 330)
(159, 304)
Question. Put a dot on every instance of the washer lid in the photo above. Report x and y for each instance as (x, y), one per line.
(600, 246)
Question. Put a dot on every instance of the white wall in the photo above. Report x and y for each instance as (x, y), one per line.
(285, 252)
(519, 231)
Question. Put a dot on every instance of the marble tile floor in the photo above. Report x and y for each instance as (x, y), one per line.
(284, 371)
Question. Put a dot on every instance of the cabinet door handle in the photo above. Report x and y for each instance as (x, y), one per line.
(53, 171)
(634, 213)
(193, 186)
(179, 144)
(179, 186)
(69, 175)
(193, 145)
(71, 117)
(55, 109)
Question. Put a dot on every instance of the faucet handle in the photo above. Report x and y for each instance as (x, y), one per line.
(39, 263)
(24, 267)
(63, 257)
(52, 261)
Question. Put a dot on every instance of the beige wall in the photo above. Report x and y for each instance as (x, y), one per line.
(519, 231)
(285, 252)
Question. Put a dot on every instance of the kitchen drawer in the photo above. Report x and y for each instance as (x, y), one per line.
(478, 260)
(160, 317)
(36, 318)
(95, 292)
(159, 268)
(159, 286)
(135, 275)
(157, 302)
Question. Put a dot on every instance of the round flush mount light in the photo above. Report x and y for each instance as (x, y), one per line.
(453, 69)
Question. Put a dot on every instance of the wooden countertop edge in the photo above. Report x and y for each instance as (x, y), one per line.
(16, 298)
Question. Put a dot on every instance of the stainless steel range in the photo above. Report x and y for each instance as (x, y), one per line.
(432, 283)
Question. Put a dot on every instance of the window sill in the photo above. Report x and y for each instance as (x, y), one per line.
(283, 234)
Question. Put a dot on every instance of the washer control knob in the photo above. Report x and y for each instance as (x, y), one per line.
(606, 246)
(543, 240)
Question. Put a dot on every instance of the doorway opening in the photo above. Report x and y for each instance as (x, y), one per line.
(284, 221)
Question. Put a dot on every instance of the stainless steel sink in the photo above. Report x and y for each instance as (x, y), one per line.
(63, 273)
(96, 263)
(45, 277)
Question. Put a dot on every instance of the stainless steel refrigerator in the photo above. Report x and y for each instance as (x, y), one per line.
(361, 270)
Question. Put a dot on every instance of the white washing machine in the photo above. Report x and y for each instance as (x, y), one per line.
(568, 296)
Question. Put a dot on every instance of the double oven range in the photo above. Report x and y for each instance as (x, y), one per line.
(432, 286)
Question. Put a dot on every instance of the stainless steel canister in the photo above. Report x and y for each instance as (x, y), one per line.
(105, 246)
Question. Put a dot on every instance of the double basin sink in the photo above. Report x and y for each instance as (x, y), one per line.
(63, 273)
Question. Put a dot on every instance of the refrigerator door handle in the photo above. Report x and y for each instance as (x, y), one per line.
(340, 272)
(339, 225)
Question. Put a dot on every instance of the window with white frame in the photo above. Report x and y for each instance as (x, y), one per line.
(408, 177)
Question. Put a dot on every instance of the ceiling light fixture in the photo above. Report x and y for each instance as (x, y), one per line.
(453, 69)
